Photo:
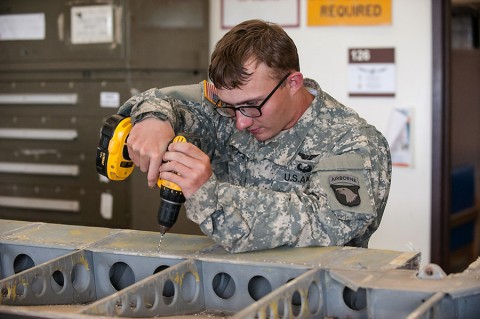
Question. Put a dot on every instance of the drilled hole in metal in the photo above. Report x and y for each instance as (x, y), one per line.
(259, 287)
(296, 303)
(80, 278)
(168, 292)
(39, 286)
(189, 287)
(314, 298)
(355, 300)
(121, 275)
(57, 281)
(160, 268)
(22, 262)
(223, 285)
(168, 289)
(149, 299)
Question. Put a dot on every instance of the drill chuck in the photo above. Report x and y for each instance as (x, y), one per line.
(170, 204)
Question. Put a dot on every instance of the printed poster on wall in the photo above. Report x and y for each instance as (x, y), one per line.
(371, 72)
(283, 12)
(399, 135)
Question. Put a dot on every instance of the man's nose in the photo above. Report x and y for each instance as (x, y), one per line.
(242, 122)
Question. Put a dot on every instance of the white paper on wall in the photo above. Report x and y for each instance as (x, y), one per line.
(29, 26)
(110, 99)
(92, 24)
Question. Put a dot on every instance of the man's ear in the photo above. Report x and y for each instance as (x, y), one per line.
(295, 81)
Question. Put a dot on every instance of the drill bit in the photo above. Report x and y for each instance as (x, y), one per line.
(160, 243)
(163, 231)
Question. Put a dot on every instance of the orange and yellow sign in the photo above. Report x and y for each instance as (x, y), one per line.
(349, 12)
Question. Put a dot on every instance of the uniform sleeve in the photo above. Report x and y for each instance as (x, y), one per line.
(183, 106)
(338, 207)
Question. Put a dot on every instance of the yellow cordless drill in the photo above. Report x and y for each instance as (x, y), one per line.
(113, 161)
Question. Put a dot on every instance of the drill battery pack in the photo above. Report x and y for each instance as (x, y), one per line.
(112, 158)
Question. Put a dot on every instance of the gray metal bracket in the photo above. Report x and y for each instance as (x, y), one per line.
(66, 279)
(301, 297)
(174, 291)
(334, 293)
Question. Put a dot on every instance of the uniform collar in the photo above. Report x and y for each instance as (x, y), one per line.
(282, 148)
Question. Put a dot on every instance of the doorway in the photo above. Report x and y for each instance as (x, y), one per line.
(455, 147)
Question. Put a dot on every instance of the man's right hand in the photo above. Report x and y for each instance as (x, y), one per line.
(147, 142)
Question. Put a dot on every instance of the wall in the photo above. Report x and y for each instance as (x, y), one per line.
(323, 57)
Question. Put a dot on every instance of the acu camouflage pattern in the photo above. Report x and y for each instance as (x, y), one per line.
(277, 193)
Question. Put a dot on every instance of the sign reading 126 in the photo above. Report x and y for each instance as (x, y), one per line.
(360, 55)
(371, 72)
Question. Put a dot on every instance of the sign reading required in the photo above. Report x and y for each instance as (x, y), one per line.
(349, 12)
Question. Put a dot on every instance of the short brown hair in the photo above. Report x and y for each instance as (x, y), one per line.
(265, 42)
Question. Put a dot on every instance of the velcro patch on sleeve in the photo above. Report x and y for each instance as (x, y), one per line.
(345, 187)
(344, 178)
(210, 92)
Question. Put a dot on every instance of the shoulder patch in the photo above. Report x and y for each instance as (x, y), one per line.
(210, 92)
(346, 189)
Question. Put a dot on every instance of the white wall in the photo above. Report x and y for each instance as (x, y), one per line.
(323, 57)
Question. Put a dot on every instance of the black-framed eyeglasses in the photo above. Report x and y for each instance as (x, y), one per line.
(228, 110)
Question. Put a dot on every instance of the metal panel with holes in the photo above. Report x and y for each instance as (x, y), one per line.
(121, 273)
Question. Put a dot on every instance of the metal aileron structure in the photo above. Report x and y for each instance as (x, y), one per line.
(101, 272)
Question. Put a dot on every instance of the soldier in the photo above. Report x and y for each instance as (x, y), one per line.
(282, 163)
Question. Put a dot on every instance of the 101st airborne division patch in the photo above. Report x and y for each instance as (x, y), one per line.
(346, 189)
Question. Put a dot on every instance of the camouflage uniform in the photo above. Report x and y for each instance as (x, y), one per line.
(323, 182)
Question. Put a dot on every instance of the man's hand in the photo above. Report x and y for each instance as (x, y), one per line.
(187, 166)
(147, 143)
